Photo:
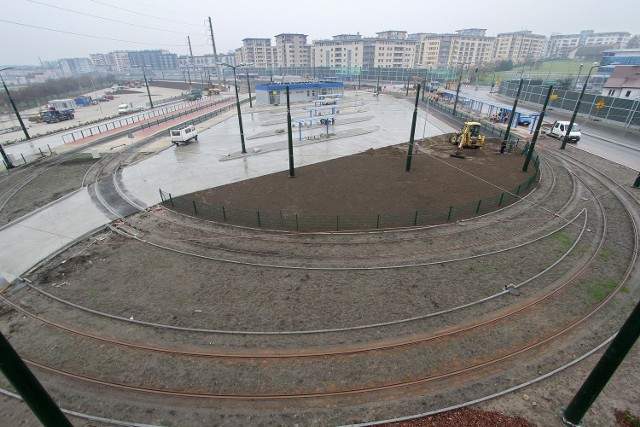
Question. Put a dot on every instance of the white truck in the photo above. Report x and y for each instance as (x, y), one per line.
(183, 134)
(559, 130)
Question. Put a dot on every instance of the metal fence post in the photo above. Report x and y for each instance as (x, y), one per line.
(478, 208)
(501, 197)
(224, 214)
(449, 216)
(195, 210)
(259, 225)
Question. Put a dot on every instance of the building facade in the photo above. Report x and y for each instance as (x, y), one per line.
(344, 50)
(519, 47)
(73, 66)
(468, 46)
(257, 51)
(560, 46)
(292, 50)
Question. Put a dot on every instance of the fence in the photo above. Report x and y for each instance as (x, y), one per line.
(320, 222)
(615, 109)
(143, 119)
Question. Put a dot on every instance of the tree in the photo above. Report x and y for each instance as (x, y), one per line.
(506, 65)
(634, 42)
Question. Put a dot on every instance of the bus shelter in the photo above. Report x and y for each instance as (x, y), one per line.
(493, 111)
(327, 120)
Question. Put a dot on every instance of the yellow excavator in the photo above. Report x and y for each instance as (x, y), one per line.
(469, 136)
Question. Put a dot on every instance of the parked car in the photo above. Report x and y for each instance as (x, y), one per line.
(102, 99)
(110, 97)
(524, 120)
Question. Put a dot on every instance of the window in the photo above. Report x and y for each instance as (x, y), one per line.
(627, 94)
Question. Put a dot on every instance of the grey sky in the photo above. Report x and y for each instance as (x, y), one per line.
(169, 22)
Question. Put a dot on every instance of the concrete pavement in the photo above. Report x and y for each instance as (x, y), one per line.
(197, 166)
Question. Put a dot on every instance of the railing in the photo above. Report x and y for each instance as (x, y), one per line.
(320, 222)
(143, 119)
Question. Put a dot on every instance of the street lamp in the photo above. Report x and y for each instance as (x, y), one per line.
(13, 104)
(578, 77)
(575, 112)
(235, 79)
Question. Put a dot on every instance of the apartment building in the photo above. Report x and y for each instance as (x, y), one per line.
(155, 59)
(344, 50)
(467, 46)
(292, 50)
(560, 45)
(258, 51)
(519, 46)
(71, 66)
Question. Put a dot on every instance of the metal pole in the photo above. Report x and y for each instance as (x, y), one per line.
(215, 53)
(249, 87)
(29, 387)
(537, 131)
(378, 82)
(426, 115)
(408, 82)
(413, 129)
(455, 103)
(15, 109)
(147, 84)
(235, 79)
(575, 111)
(604, 369)
(292, 173)
(513, 113)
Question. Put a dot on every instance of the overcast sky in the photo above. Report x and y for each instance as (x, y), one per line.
(26, 25)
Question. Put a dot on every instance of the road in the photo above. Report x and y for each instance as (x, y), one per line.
(615, 143)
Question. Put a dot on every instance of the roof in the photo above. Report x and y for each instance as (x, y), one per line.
(624, 76)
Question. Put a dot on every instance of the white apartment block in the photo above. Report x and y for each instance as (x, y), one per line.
(391, 49)
(519, 46)
(119, 61)
(292, 50)
(257, 51)
(559, 45)
(468, 46)
(616, 40)
(345, 50)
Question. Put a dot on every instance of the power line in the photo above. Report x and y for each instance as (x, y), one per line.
(142, 14)
(88, 35)
(166, 10)
(106, 19)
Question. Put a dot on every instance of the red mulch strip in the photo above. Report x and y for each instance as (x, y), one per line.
(465, 417)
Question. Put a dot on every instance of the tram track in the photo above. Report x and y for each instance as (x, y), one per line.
(443, 358)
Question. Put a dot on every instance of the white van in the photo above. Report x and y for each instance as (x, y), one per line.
(183, 134)
(559, 130)
(124, 109)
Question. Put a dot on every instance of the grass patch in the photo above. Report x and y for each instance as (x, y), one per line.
(624, 290)
(626, 419)
(605, 255)
(600, 289)
(564, 240)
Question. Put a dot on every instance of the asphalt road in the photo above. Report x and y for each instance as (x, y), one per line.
(612, 142)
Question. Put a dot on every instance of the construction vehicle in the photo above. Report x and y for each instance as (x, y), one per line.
(469, 136)
(53, 115)
(194, 94)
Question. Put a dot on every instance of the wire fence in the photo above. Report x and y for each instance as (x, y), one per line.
(280, 220)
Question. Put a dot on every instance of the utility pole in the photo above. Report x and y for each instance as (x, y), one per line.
(192, 62)
(413, 130)
(537, 131)
(292, 172)
(215, 53)
(505, 141)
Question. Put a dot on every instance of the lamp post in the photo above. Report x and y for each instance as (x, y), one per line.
(578, 77)
(575, 111)
(13, 105)
(235, 80)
